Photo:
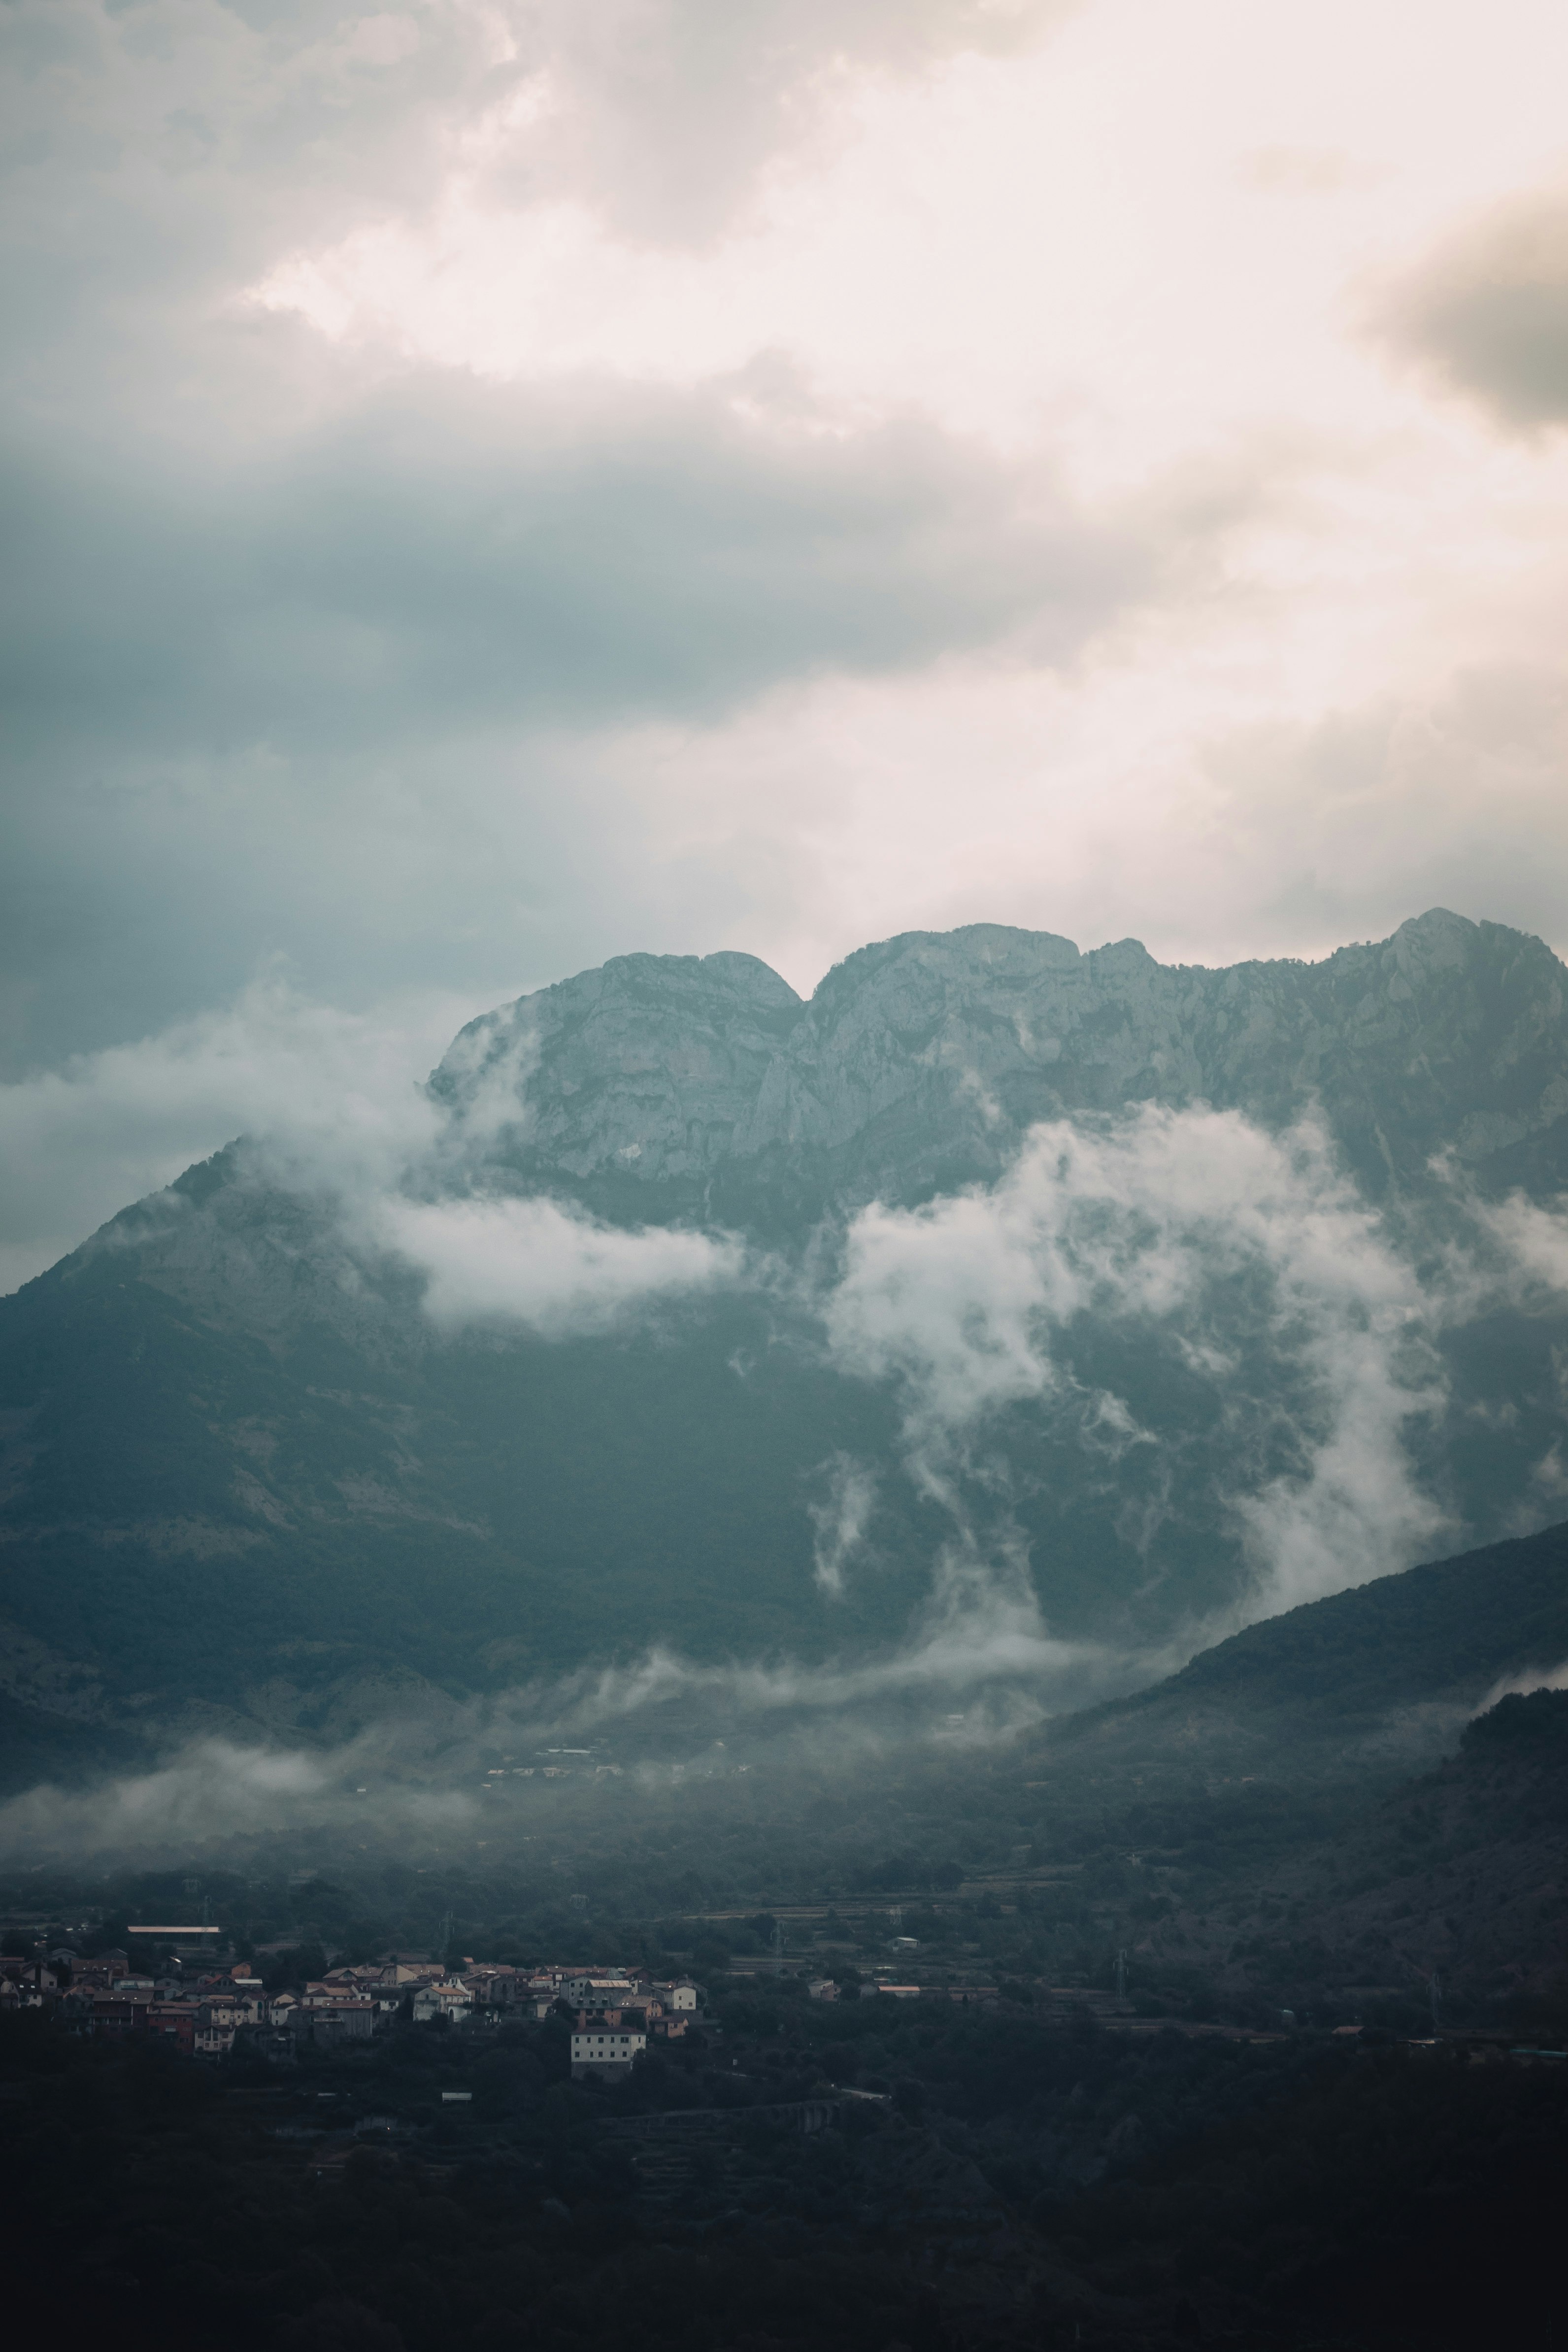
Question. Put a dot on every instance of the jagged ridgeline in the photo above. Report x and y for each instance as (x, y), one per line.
(1000, 1297)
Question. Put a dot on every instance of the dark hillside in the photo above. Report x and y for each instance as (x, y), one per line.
(1457, 1877)
(1387, 1672)
(1403, 1638)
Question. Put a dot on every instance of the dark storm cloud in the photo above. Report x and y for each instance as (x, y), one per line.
(448, 550)
(232, 681)
(301, 645)
(1489, 312)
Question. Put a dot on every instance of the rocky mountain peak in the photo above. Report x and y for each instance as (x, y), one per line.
(668, 1087)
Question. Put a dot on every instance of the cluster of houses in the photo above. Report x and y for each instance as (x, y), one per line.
(616, 2012)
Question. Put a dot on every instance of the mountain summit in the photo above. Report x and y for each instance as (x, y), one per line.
(671, 1086)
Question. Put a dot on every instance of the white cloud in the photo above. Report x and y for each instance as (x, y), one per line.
(1145, 252)
(839, 1518)
(1216, 1240)
(979, 1631)
(535, 1262)
(336, 1098)
(1534, 1237)
(1488, 311)
(1087, 225)
(414, 1777)
(218, 1788)
(1520, 1685)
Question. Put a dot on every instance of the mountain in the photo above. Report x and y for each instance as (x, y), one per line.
(665, 1086)
(1003, 1311)
(1356, 1793)
(1458, 1872)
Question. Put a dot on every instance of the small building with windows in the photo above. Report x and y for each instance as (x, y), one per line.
(679, 1995)
(449, 1998)
(603, 2052)
(597, 1989)
(175, 2021)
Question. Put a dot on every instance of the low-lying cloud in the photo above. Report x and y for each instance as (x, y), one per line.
(334, 1098)
(538, 1263)
(419, 1778)
(418, 1775)
(1520, 1684)
(840, 1516)
(1240, 1264)
(221, 1788)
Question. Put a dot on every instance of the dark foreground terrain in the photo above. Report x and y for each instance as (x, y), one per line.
(1017, 2183)
(1230, 2014)
(1139, 2101)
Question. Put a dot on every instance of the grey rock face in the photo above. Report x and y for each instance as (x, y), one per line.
(664, 1086)
(648, 1070)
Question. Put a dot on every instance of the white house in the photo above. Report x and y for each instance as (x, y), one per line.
(605, 2050)
(682, 1995)
(453, 2001)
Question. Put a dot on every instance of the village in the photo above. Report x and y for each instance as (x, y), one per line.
(208, 2010)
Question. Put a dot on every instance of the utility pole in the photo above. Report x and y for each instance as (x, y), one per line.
(1121, 1976)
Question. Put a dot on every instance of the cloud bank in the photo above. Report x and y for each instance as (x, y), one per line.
(222, 1789)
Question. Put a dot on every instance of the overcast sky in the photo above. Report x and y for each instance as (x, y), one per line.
(493, 486)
